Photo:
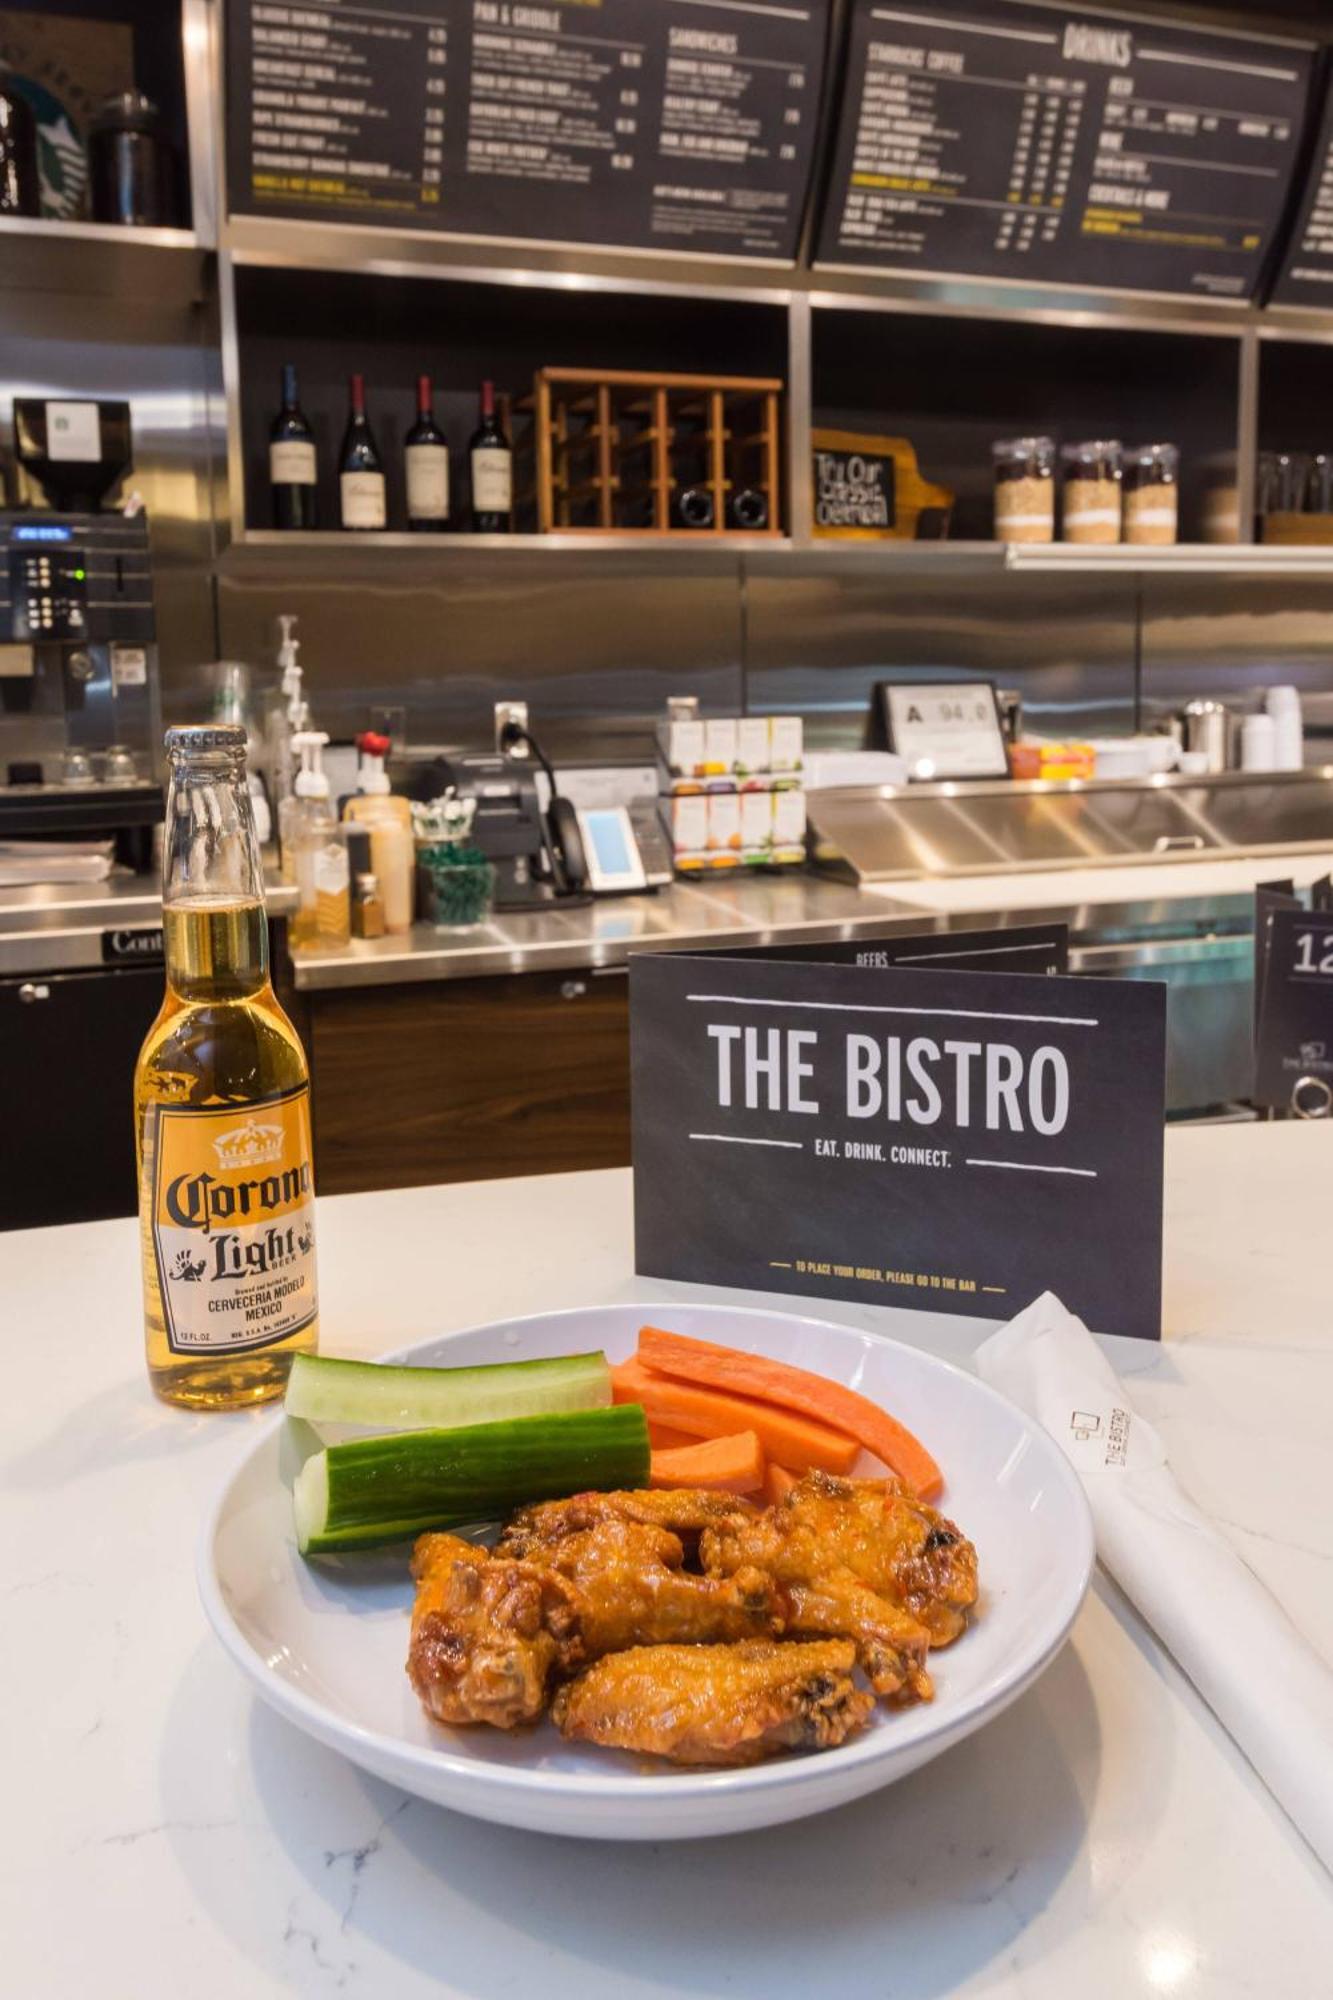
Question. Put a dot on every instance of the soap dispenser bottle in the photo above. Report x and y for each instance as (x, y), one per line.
(290, 720)
(388, 819)
(323, 912)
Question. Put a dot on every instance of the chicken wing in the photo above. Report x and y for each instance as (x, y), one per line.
(632, 1590)
(487, 1635)
(684, 1511)
(492, 1633)
(717, 1704)
(864, 1558)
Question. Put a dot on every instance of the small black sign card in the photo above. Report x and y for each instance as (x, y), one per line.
(1015, 948)
(1294, 1052)
(958, 1142)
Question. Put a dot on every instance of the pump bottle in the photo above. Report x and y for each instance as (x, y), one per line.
(290, 720)
(389, 821)
(323, 914)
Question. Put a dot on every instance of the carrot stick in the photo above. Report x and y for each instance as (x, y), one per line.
(704, 1364)
(662, 1437)
(778, 1483)
(794, 1440)
(731, 1464)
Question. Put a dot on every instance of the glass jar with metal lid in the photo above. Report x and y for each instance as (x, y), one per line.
(1151, 474)
(1024, 489)
(1091, 509)
(1319, 483)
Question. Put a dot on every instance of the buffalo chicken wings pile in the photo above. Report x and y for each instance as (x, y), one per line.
(693, 1626)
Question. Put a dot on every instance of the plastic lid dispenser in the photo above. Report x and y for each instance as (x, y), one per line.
(311, 782)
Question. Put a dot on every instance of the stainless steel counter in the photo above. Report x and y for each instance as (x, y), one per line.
(1182, 898)
(59, 927)
(601, 935)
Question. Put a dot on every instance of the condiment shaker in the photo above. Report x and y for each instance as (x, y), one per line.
(1206, 732)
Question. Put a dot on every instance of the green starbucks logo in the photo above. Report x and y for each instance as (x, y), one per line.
(61, 161)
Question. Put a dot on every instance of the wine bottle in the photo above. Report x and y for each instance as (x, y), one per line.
(491, 465)
(291, 460)
(749, 509)
(694, 507)
(360, 468)
(426, 456)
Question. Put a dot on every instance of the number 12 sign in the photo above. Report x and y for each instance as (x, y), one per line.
(1294, 1052)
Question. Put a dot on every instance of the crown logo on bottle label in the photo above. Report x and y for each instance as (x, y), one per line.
(249, 1145)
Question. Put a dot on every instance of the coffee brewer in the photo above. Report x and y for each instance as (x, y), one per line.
(79, 723)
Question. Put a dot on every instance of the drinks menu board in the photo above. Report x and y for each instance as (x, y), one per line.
(683, 125)
(997, 139)
(1306, 277)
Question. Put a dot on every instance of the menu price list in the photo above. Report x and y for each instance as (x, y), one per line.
(683, 125)
(1306, 277)
(1003, 140)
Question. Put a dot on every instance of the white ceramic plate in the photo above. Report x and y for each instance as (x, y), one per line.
(326, 1645)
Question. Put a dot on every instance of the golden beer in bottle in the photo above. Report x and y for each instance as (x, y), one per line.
(222, 1110)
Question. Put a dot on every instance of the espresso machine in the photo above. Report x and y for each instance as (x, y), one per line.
(79, 721)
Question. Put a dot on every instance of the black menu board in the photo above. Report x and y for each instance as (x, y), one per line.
(1306, 277)
(683, 125)
(988, 138)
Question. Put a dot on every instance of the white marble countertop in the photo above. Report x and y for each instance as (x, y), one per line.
(165, 1834)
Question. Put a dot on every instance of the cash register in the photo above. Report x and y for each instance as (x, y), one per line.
(541, 856)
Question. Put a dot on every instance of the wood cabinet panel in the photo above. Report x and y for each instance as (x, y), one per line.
(469, 1080)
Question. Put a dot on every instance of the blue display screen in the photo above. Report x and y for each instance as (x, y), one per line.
(606, 831)
(41, 531)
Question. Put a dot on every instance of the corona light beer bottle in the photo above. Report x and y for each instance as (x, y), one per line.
(222, 1110)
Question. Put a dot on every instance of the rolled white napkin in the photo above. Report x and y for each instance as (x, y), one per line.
(1265, 1684)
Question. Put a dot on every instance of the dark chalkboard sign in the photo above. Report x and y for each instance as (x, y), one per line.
(958, 1141)
(683, 125)
(1294, 1054)
(1013, 141)
(1034, 948)
(1306, 277)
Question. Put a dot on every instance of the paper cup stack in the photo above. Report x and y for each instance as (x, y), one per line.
(1283, 706)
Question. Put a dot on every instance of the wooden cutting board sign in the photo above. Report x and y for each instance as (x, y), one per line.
(870, 488)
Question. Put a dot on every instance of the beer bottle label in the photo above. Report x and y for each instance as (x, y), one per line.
(233, 1222)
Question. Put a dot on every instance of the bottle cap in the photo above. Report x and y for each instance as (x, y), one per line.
(371, 774)
(200, 739)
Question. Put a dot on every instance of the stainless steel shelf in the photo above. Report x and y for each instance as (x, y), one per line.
(1061, 558)
(100, 258)
(1180, 559)
(281, 243)
(262, 545)
(461, 546)
(377, 251)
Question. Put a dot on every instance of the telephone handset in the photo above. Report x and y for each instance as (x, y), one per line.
(590, 851)
(566, 840)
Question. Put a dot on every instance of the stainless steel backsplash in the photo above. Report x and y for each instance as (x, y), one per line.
(595, 642)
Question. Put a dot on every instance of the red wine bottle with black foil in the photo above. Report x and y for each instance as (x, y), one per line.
(426, 458)
(361, 491)
(292, 468)
(491, 466)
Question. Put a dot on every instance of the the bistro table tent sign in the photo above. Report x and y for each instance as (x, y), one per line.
(1014, 948)
(954, 1141)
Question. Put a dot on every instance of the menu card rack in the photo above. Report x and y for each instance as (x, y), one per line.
(611, 451)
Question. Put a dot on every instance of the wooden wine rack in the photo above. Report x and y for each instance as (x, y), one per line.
(606, 451)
